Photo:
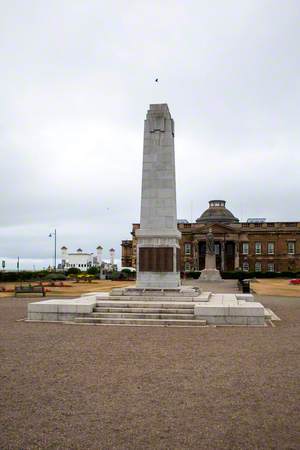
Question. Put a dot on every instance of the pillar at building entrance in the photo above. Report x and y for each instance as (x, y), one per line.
(210, 273)
(158, 237)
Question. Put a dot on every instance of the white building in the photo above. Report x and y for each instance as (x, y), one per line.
(83, 261)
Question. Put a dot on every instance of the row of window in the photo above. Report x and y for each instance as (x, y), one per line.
(257, 267)
(77, 265)
(270, 248)
(245, 267)
(269, 224)
(245, 248)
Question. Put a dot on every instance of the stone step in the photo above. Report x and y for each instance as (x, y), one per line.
(135, 304)
(140, 322)
(134, 298)
(129, 315)
(103, 309)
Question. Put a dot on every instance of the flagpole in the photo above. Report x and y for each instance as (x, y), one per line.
(51, 235)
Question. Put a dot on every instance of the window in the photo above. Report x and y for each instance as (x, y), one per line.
(257, 267)
(245, 248)
(270, 248)
(258, 248)
(245, 267)
(187, 249)
(291, 248)
(217, 249)
(271, 267)
(187, 266)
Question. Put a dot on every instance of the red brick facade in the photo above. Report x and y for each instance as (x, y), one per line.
(261, 247)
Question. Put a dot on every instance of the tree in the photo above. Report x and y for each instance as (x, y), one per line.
(94, 270)
(73, 271)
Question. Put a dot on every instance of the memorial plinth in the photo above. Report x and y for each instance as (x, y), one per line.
(158, 236)
(210, 273)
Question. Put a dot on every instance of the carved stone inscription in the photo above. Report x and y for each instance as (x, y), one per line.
(156, 259)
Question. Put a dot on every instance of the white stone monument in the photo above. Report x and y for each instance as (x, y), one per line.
(158, 277)
(158, 236)
(210, 273)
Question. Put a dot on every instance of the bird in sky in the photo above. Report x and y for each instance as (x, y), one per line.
(156, 80)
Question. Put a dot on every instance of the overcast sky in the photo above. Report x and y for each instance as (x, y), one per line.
(77, 77)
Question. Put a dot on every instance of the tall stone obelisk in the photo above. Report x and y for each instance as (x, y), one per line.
(158, 236)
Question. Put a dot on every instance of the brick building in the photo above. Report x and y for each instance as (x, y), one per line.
(255, 245)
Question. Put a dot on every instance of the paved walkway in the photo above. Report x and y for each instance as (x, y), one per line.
(225, 286)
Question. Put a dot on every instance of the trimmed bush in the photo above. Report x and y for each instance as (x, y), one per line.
(73, 271)
(56, 276)
(127, 271)
(22, 276)
(195, 274)
(238, 275)
(93, 270)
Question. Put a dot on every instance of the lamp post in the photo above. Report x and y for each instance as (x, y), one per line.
(51, 235)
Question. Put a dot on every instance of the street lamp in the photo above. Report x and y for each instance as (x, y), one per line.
(51, 235)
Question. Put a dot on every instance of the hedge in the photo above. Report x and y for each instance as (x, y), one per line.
(56, 276)
(22, 276)
(238, 275)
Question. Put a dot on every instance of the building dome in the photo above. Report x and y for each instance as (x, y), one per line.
(217, 213)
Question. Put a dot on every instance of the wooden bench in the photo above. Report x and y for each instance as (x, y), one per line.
(30, 290)
(244, 286)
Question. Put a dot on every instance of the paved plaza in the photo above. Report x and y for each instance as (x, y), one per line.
(224, 286)
(87, 387)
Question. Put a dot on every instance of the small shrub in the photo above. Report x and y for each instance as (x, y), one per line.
(127, 271)
(93, 270)
(195, 275)
(56, 276)
(73, 271)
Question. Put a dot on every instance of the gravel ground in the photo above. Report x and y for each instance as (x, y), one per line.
(101, 387)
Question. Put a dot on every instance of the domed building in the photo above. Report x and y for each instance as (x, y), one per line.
(217, 213)
(255, 245)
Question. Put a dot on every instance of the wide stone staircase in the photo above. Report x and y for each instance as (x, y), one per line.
(142, 313)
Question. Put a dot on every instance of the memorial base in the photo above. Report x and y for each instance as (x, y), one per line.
(162, 280)
(210, 275)
(186, 291)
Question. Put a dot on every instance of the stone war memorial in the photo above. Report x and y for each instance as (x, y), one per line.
(158, 237)
(158, 297)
